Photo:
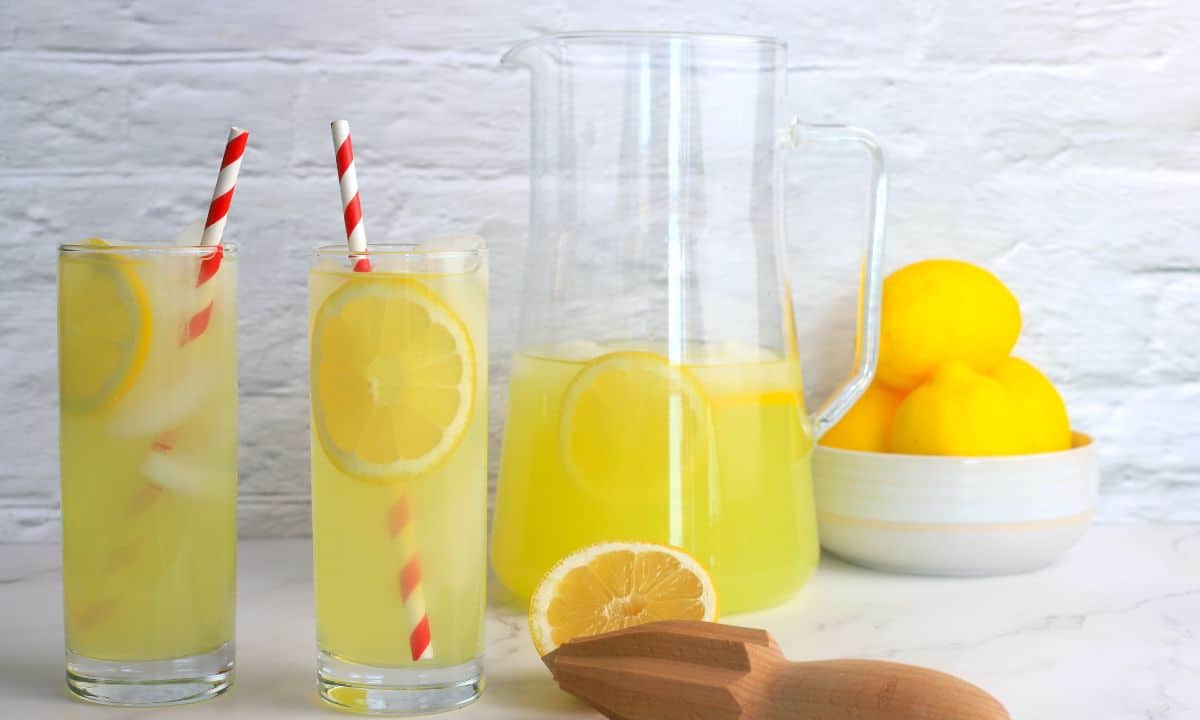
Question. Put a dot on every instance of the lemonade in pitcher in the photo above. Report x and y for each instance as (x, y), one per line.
(616, 442)
(399, 474)
(148, 391)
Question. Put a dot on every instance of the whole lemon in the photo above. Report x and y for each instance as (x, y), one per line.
(1042, 410)
(958, 412)
(938, 311)
(865, 426)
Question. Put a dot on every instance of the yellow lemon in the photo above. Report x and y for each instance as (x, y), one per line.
(393, 378)
(104, 328)
(1043, 415)
(958, 412)
(938, 311)
(865, 426)
(631, 418)
(610, 586)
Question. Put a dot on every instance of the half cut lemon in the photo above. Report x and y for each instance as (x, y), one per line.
(615, 585)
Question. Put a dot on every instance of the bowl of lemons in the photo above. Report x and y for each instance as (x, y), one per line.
(960, 458)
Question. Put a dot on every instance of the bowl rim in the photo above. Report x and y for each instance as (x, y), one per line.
(1081, 443)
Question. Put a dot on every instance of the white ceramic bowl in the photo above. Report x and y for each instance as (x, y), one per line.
(933, 515)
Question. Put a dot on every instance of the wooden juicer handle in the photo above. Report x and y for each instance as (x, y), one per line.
(691, 670)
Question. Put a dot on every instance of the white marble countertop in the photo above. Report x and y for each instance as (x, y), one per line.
(1113, 631)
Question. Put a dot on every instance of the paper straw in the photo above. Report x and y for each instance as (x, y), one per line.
(408, 581)
(399, 525)
(222, 196)
(356, 234)
(214, 230)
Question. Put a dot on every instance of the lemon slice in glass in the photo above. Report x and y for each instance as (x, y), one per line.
(393, 378)
(615, 585)
(104, 328)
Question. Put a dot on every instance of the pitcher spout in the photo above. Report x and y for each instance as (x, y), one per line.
(523, 54)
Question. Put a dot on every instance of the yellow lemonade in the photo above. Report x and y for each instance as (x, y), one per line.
(608, 443)
(148, 452)
(399, 460)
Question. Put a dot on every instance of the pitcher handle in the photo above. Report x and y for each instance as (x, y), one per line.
(870, 298)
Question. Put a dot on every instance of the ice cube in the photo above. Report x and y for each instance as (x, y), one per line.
(191, 234)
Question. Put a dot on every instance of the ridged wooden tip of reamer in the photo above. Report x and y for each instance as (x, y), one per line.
(685, 670)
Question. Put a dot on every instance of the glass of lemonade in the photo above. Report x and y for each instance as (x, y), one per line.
(399, 474)
(148, 393)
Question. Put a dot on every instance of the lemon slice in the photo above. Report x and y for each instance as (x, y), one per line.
(630, 421)
(615, 585)
(104, 329)
(393, 378)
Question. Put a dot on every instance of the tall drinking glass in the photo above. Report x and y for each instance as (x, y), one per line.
(148, 391)
(399, 474)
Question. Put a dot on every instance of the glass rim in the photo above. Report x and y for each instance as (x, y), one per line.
(403, 249)
(202, 251)
(711, 37)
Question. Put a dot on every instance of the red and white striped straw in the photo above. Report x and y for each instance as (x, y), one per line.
(214, 227)
(222, 197)
(356, 234)
(400, 526)
(399, 522)
(408, 581)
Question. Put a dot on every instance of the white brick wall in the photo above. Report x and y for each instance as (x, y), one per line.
(1055, 142)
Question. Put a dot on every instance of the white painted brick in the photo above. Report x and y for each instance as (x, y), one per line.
(54, 210)
(62, 115)
(1140, 428)
(1034, 31)
(477, 27)
(354, 27)
(273, 430)
(470, 119)
(1100, 339)
(1069, 119)
(970, 122)
(63, 25)
(199, 102)
(40, 523)
(831, 33)
(274, 517)
(822, 33)
(1175, 343)
(179, 25)
(1054, 142)
(1100, 222)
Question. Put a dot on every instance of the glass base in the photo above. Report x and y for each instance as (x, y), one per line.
(151, 683)
(413, 690)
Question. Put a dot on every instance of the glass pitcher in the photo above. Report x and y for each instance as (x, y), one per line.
(656, 392)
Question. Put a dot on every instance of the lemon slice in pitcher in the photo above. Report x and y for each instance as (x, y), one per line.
(630, 421)
(615, 585)
(104, 328)
(393, 378)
